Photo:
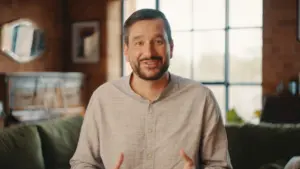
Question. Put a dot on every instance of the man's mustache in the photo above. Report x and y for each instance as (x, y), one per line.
(152, 58)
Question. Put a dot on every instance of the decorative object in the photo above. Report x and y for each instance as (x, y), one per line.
(233, 117)
(85, 42)
(22, 40)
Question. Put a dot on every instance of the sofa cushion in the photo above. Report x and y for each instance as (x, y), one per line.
(59, 140)
(20, 147)
(272, 166)
(235, 144)
(264, 144)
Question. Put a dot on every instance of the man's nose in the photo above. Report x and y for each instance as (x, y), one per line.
(148, 50)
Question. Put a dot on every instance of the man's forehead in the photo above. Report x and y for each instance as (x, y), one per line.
(156, 21)
(147, 25)
(147, 29)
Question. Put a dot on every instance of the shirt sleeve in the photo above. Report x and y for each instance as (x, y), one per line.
(87, 153)
(293, 163)
(214, 147)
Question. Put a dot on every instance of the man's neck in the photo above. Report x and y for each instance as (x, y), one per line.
(149, 89)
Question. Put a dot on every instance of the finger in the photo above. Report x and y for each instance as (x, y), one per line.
(185, 156)
(120, 161)
(188, 161)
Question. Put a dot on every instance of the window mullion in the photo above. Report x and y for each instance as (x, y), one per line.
(226, 66)
(192, 42)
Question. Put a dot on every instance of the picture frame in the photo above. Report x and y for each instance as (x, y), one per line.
(86, 42)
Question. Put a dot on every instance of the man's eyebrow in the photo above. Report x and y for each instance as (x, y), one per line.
(159, 36)
(137, 37)
(141, 36)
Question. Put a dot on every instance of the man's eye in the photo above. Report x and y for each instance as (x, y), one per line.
(159, 42)
(139, 43)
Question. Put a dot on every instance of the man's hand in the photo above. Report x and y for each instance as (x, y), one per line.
(188, 162)
(120, 161)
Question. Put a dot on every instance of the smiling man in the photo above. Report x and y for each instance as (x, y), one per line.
(151, 119)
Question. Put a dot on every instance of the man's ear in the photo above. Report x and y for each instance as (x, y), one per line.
(125, 51)
(171, 49)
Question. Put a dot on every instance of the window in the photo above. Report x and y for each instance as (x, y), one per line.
(219, 44)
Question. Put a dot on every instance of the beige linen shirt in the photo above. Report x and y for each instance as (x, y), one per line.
(151, 134)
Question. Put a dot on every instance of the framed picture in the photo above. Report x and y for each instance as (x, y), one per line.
(85, 42)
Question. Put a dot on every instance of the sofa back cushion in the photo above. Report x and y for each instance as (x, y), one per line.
(235, 145)
(20, 147)
(252, 146)
(59, 140)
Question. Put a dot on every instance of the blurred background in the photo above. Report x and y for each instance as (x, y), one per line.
(55, 53)
(244, 51)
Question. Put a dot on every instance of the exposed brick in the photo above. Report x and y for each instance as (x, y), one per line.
(281, 53)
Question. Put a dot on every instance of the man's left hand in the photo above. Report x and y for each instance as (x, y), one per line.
(188, 162)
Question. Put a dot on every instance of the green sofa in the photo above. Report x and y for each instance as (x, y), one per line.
(51, 144)
(45, 145)
(263, 146)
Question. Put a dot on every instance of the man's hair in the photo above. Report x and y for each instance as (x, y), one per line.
(146, 14)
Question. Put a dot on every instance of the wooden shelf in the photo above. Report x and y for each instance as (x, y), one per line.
(42, 94)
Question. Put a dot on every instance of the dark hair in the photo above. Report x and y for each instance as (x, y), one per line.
(146, 14)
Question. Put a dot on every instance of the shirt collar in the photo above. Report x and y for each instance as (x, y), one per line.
(169, 89)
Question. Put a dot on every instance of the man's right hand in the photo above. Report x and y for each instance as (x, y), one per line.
(120, 161)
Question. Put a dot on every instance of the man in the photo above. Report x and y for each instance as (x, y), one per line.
(151, 119)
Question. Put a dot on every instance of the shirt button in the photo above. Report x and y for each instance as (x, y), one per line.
(149, 156)
(150, 130)
(150, 114)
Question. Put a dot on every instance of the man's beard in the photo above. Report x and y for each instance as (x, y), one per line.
(158, 75)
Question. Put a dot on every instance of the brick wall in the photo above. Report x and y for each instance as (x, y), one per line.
(56, 17)
(48, 16)
(281, 51)
(109, 16)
